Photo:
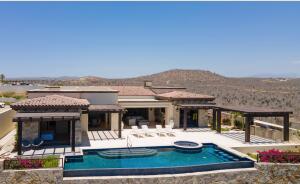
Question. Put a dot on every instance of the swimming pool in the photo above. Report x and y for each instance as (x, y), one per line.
(158, 160)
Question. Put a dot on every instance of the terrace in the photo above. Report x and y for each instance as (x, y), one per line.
(110, 139)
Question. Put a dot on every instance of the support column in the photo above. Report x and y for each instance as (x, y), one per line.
(286, 124)
(109, 120)
(19, 143)
(248, 122)
(120, 125)
(185, 118)
(219, 121)
(214, 119)
(73, 135)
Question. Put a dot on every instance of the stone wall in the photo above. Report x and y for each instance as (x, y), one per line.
(277, 173)
(30, 130)
(31, 176)
(263, 173)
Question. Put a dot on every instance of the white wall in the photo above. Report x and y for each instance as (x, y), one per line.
(34, 95)
(101, 98)
(114, 121)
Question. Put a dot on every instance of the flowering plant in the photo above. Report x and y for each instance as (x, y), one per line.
(277, 156)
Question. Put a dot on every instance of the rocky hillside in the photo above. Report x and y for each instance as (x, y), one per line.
(263, 92)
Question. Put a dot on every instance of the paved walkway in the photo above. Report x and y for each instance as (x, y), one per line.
(7, 144)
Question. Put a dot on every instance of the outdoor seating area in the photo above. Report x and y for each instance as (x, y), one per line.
(145, 131)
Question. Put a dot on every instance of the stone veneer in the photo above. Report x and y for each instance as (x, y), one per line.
(30, 130)
(31, 176)
(263, 173)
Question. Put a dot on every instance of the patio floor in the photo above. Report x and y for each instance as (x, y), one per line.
(109, 139)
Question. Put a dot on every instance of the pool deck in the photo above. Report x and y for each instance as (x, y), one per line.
(199, 135)
(109, 139)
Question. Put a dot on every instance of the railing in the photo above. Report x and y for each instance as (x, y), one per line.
(33, 163)
(279, 158)
(129, 142)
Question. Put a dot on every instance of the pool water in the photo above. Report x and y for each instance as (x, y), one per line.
(164, 157)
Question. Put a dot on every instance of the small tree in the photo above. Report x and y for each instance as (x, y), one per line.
(2, 77)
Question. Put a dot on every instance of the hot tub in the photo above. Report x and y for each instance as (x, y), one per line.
(188, 146)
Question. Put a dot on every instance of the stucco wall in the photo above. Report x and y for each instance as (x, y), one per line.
(101, 98)
(78, 133)
(114, 121)
(34, 95)
(84, 119)
(6, 122)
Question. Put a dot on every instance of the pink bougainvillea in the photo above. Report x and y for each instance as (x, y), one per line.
(277, 156)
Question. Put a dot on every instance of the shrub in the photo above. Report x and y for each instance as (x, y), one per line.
(238, 124)
(20, 163)
(277, 156)
(226, 121)
(50, 162)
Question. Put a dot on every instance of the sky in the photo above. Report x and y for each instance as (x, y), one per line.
(127, 39)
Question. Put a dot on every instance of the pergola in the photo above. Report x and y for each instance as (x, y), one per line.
(56, 116)
(49, 108)
(249, 113)
(109, 109)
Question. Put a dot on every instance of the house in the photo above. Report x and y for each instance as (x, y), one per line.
(60, 115)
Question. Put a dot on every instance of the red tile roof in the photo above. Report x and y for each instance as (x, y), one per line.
(51, 101)
(133, 91)
(184, 95)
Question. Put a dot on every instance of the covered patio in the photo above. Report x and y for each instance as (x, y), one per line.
(45, 119)
(249, 113)
(109, 110)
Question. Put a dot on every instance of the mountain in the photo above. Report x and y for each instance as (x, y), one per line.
(262, 92)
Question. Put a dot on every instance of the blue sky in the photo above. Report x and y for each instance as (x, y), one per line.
(119, 39)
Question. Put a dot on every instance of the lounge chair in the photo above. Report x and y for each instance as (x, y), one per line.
(136, 131)
(26, 144)
(37, 142)
(147, 131)
(160, 130)
(169, 129)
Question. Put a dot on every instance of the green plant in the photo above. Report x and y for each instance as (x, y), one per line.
(238, 124)
(225, 129)
(226, 121)
(50, 161)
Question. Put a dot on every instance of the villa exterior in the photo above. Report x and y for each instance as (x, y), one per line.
(61, 115)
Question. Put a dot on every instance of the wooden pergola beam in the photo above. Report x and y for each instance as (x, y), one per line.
(185, 110)
(248, 121)
(19, 133)
(120, 125)
(73, 135)
(214, 119)
(286, 124)
(219, 121)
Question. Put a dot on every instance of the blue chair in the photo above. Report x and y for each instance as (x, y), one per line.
(26, 144)
(37, 142)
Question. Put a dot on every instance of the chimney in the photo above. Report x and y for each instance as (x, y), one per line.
(147, 84)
